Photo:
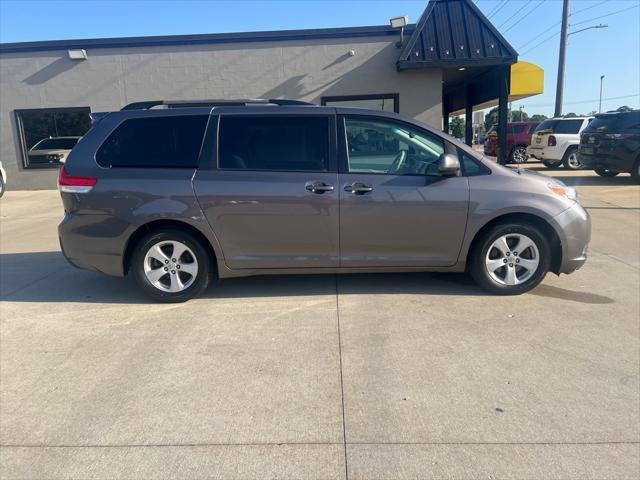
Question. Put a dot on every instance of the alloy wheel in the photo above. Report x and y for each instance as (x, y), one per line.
(573, 161)
(512, 259)
(520, 155)
(170, 266)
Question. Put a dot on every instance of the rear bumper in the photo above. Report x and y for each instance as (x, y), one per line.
(84, 244)
(606, 161)
(551, 154)
(575, 233)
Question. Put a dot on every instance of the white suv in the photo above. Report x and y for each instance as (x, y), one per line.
(555, 142)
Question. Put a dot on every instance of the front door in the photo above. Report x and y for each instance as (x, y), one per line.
(396, 210)
(272, 200)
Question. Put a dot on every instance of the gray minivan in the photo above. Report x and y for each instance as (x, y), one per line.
(180, 193)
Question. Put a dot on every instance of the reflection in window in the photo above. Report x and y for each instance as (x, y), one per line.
(385, 102)
(388, 147)
(47, 136)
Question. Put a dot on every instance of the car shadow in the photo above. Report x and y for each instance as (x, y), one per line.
(46, 277)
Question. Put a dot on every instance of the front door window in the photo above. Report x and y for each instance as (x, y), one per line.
(391, 148)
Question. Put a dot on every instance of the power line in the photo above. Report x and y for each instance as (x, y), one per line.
(606, 15)
(573, 25)
(588, 8)
(514, 14)
(578, 102)
(538, 35)
(540, 43)
(496, 9)
(535, 7)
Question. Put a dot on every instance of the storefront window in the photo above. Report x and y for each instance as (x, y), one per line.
(388, 102)
(48, 135)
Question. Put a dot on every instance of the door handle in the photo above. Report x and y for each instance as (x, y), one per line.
(318, 187)
(358, 188)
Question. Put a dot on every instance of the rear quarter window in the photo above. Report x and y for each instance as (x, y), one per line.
(155, 142)
(567, 126)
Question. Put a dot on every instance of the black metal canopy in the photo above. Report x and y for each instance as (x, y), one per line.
(454, 33)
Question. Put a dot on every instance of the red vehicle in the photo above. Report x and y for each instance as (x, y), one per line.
(518, 137)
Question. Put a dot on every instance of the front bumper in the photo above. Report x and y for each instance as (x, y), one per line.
(574, 227)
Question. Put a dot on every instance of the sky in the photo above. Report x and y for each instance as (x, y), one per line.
(531, 26)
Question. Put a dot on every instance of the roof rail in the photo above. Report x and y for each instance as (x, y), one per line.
(212, 103)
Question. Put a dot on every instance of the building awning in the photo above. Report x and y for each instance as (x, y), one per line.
(455, 34)
(527, 79)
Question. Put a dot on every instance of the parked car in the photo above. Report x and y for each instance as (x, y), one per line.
(555, 142)
(52, 150)
(179, 196)
(518, 138)
(3, 180)
(611, 144)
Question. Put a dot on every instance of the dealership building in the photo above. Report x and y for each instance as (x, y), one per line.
(451, 62)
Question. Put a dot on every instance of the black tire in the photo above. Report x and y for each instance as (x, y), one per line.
(1, 186)
(603, 172)
(635, 171)
(571, 159)
(483, 245)
(518, 154)
(551, 165)
(201, 280)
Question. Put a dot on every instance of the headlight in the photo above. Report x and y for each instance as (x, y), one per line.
(563, 191)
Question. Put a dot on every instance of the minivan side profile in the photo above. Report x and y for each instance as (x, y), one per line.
(178, 197)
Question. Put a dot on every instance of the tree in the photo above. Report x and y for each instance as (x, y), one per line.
(456, 127)
(538, 117)
(570, 115)
(519, 116)
(624, 108)
(490, 118)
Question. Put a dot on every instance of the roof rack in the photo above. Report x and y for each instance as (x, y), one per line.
(212, 103)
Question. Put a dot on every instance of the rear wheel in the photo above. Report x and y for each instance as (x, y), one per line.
(171, 265)
(552, 165)
(603, 172)
(571, 160)
(510, 258)
(518, 154)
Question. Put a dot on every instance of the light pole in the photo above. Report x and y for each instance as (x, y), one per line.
(600, 101)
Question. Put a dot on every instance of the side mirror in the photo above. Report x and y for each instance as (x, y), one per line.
(448, 165)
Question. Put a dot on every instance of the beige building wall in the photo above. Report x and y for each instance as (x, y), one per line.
(113, 77)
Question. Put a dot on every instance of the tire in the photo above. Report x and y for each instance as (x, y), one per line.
(518, 154)
(552, 165)
(571, 159)
(603, 172)
(486, 255)
(185, 278)
(1, 186)
(635, 171)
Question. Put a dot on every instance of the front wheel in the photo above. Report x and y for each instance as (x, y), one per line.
(510, 258)
(171, 266)
(552, 165)
(571, 160)
(603, 172)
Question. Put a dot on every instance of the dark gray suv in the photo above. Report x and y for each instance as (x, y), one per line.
(180, 193)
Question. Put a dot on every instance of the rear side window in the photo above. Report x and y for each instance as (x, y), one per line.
(567, 126)
(156, 142)
(293, 143)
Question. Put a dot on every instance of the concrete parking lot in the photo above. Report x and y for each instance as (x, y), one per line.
(356, 376)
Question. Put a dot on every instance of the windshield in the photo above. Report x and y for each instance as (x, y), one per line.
(55, 144)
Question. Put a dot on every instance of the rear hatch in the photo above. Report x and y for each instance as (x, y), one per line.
(600, 134)
(564, 128)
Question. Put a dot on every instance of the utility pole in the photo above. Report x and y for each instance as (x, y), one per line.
(561, 57)
(600, 101)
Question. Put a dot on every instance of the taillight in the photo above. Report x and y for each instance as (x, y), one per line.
(70, 184)
(551, 141)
